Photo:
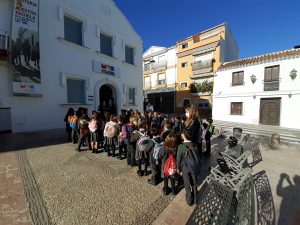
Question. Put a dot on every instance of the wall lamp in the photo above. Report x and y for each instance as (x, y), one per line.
(293, 74)
(253, 78)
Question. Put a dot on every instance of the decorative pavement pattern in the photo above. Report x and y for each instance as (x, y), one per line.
(63, 186)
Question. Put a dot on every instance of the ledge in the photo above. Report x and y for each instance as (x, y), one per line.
(66, 104)
(201, 94)
(71, 44)
(130, 105)
(106, 56)
(124, 62)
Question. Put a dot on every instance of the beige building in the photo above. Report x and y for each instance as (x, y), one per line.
(198, 57)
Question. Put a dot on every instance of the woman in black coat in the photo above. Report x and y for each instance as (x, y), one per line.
(193, 125)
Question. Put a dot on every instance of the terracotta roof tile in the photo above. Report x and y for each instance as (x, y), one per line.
(275, 56)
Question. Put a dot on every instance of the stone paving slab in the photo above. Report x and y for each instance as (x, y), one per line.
(13, 207)
(276, 204)
(63, 186)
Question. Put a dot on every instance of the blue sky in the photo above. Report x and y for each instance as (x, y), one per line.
(259, 26)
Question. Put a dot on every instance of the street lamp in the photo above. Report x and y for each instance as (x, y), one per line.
(293, 74)
(253, 78)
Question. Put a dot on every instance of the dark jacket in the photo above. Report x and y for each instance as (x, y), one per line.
(181, 152)
(194, 129)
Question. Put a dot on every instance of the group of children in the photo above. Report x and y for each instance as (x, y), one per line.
(165, 144)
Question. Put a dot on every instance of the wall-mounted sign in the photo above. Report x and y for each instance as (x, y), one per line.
(90, 98)
(25, 48)
(108, 69)
(99, 67)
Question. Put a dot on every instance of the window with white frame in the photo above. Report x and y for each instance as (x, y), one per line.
(185, 45)
(236, 108)
(147, 66)
(76, 90)
(237, 78)
(129, 54)
(73, 30)
(183, 85)
(184, 64)
(106, 44)
(147, 82)
(131, 95)
(161, 79)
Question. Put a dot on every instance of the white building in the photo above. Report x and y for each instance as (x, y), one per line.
(160, 78)
(89, 54)
(259, 90)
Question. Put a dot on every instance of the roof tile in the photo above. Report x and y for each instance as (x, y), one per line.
(291, 53)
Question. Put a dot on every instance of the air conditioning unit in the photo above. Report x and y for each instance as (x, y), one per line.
(3, 47)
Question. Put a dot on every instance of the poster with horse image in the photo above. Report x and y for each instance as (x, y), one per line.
(25, 51)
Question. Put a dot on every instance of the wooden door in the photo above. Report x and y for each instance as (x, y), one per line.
(270, 111)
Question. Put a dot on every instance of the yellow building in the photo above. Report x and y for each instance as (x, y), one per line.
(198, 57)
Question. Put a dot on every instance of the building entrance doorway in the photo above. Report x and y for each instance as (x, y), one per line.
(270, 111)
(107, 96)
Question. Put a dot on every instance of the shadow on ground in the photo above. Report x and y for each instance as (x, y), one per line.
(290, 205)
(20, 141)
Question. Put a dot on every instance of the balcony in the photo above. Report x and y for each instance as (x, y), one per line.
(202, 68)
(271, 85)
(147, 86)
(161, 83)
(156, 67)
(202, 65)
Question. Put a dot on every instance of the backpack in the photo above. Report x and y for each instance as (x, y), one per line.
(157, 150)
(144, 143)
(73, 121)
(191, 161)
(84, 127)
(69, 119)
(110, 130)
(93, 126)
(170, 166)
(211, 129)
(127, 130)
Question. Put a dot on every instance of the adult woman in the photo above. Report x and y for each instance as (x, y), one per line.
(192, 124)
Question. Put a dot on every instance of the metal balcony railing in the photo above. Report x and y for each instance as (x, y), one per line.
(202, 65)
(156, 67)
(161, 82)
(271, 85)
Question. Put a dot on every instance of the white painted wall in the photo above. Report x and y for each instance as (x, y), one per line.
(170, 55)
(230, 48)
(171, 76)
(224, 94)
(60, 60)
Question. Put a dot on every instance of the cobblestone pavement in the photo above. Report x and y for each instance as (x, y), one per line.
(84, 188)
(63, 186)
